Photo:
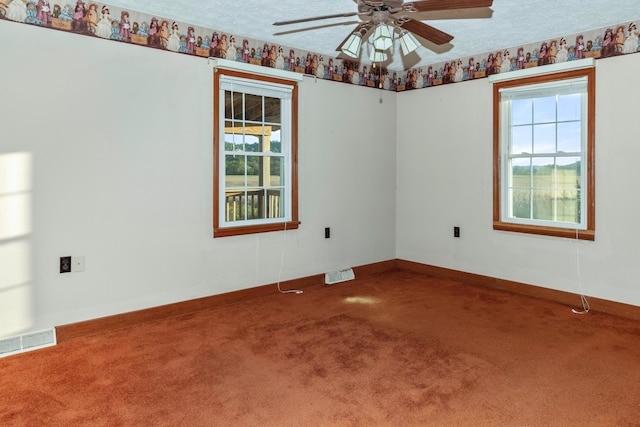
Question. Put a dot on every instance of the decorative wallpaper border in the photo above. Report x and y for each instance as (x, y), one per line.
(113, 23)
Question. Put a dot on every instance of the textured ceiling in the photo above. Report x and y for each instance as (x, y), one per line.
(507, 24)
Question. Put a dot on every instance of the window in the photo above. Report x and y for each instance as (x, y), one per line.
(544, 154)
(255, 154)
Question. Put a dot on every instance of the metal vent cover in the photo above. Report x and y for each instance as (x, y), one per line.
(27, 342)
(339, 276)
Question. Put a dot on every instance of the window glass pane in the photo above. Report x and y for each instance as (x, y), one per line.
(254, 171)
(543, 172)
(568, 173)
(569, 137)
(253, 108)
(521, 173)
(235, 205)
(275, 203)
(568, 206)
(232, 105)
(542, 204)
(272, 110)
(544, 138)
(276, 140)
(276, 171)
(521, 139)
(255, 204)
(234, 171)
(233, 138)
(569, 107)
(544, 109)
(521, 111)
(229, 142)
(521, 203)
(252, 142)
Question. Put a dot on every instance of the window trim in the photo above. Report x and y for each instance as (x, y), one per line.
(294, 222)
(567, 232)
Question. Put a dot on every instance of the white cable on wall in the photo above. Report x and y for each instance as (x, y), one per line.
(583, 298)
(284, 240)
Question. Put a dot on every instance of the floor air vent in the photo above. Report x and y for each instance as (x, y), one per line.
(339, 276)
(27, 342)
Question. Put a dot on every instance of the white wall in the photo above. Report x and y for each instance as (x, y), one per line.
(106, 152)
(445, 180)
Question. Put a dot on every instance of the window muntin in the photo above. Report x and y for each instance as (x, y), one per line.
(543, 151)
(255, 146)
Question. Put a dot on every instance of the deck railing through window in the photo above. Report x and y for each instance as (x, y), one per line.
(255, 205)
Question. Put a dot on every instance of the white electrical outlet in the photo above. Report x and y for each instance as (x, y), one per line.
(77, 264)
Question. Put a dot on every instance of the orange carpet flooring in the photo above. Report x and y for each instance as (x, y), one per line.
(392, 349)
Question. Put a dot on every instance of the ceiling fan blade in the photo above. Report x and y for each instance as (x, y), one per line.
(316, 18)
(435, 5)
(316, 27)
(425, 31)
(361, 28)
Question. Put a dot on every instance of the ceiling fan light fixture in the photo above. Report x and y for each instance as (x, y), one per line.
(352, 46)
(383, 22)
(382, 37)
(408, 43)
(378, 56)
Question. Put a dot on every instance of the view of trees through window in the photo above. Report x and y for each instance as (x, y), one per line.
(540, 191)
(236, 164)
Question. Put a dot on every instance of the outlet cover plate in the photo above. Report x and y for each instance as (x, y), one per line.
(65, 264)
(77, 264)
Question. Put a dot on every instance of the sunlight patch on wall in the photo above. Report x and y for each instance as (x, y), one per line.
(15, 215)
(16, 176)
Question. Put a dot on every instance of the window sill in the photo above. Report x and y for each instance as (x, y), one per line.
(253, 229)
(569, 233)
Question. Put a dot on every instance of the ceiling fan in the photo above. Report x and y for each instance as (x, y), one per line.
(385, 18)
